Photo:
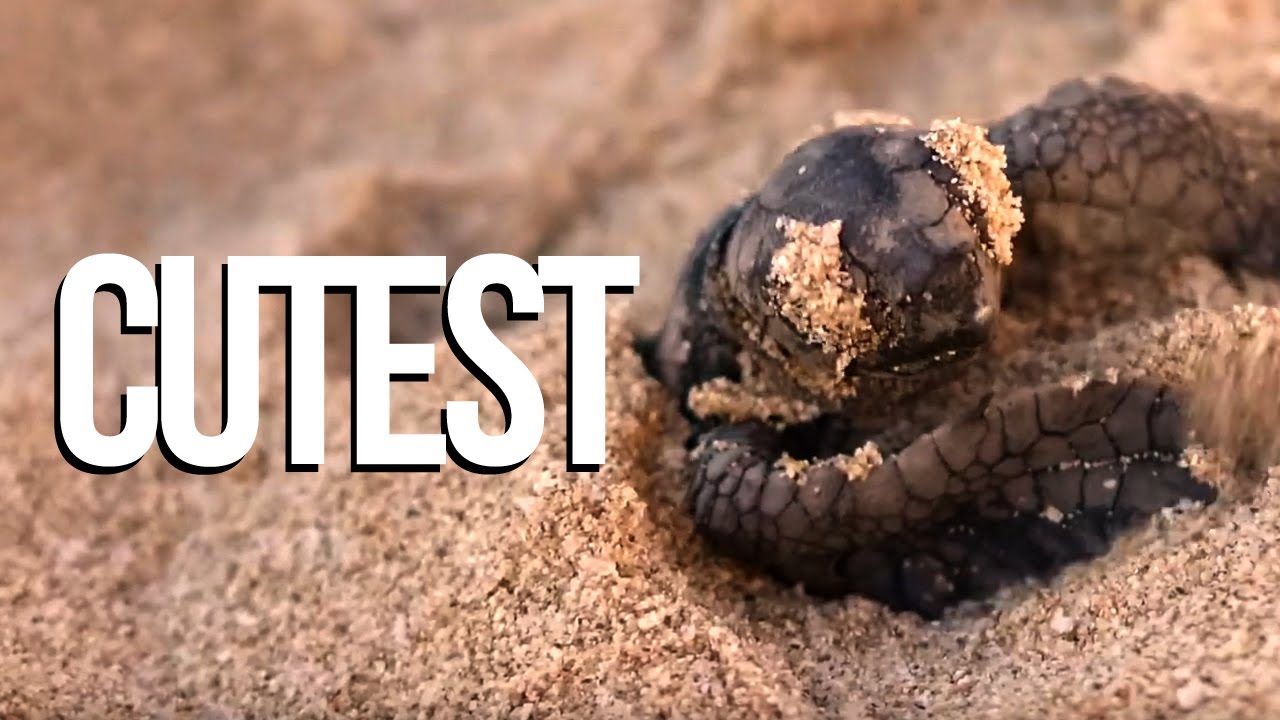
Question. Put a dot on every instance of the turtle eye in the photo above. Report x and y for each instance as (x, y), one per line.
(858, 280)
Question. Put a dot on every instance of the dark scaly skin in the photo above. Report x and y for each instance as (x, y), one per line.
(1022, 483)
(1149, 174)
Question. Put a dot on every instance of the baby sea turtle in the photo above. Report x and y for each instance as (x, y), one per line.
(842, 301)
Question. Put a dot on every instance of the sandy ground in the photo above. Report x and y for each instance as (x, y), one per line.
(227, 126)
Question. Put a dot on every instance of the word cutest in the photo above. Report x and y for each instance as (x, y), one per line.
(164, 305)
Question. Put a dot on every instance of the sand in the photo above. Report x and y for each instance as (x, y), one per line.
(453, 129)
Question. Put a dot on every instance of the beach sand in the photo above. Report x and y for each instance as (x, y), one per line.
(289, 126)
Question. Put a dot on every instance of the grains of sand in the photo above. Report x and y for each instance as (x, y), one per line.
(979, 165)
(858, 464)
(812, 290)
(793, 468)
(723, 398)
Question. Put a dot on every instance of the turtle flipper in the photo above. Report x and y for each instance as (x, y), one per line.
(1036, 479)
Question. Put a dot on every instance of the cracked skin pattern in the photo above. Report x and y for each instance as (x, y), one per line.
(1015, 483)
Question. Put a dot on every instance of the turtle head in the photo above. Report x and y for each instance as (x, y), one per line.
(862, 255)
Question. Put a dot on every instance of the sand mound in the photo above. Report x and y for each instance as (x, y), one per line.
(261, 591)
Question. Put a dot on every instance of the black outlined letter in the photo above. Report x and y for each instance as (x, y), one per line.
(586, 280)
(78, 439)
(376, 362)
(183, 445)
(493, 364)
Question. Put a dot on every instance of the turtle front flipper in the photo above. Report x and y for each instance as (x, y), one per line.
(1116, 170)
(1034, 480)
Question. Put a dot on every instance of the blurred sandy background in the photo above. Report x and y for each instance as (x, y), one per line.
(217, 127)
